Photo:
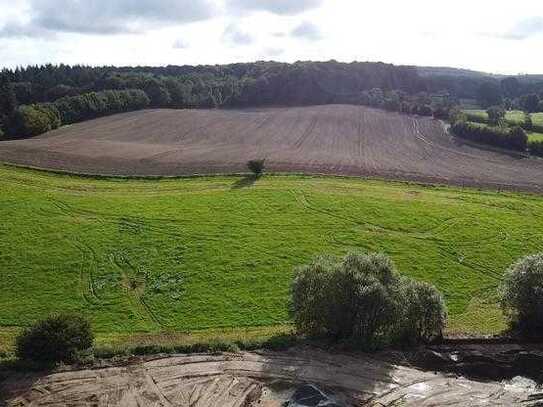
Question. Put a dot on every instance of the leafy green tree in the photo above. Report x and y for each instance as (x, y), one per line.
(256, 167)
(496, 115)
(522, 294)
(8, 101)
(363, 300)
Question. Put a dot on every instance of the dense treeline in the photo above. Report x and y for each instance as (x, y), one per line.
(31, 120)
(220, 85)
(514, 139)
(513, 93)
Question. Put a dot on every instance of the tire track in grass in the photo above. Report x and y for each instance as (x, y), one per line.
(134, 289)
(301, 198)
(88, 256)
(114, 219)
(443, 246)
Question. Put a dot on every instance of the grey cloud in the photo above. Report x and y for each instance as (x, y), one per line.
(283, 7)
(233, 35)
(307, 31)
(525, 29)
(180, 44)
(106, 16)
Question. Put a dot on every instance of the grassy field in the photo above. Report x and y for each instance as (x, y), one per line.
(537, 119)
(535, 136)
(159, 257)
(513, 117)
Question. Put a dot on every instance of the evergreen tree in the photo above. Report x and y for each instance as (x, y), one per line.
(8, 101)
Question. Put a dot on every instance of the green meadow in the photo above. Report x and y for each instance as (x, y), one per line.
(217, 254)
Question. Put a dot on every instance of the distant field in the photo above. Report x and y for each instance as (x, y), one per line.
(151, 257)
(511, 116)
(537, 119)
(535, 136)
(332, 139)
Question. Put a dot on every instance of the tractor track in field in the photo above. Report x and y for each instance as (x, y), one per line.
(330, 139)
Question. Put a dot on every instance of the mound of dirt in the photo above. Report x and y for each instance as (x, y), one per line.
(332, 139)
(263, 379)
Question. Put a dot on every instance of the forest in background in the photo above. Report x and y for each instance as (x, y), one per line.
(36, 99)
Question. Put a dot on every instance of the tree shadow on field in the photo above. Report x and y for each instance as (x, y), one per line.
(244, 182)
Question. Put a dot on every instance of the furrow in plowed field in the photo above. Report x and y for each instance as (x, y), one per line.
(333, 139)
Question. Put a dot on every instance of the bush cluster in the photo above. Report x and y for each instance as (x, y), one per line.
(362, 299)
(522, 295)
(514, 139)
(59, 338)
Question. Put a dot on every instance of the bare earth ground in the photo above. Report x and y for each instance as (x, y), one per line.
(332, 139)
(262, 379)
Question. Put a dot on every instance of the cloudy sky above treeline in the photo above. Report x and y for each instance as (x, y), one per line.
(491, 36)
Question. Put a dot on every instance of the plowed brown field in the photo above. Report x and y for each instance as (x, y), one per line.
(333, 139)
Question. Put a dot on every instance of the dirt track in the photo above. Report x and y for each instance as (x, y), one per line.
(261, 379)
(334, 139)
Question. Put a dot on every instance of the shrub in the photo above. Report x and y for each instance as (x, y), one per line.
(59, 338)
(363, 300)
(425, 313)
(256, 167)
(522, 294)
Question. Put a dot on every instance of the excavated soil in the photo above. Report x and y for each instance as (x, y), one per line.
(267, 379)
(332, 139)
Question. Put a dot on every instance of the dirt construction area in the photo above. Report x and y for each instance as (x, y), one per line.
(299, 377)
(333, 139)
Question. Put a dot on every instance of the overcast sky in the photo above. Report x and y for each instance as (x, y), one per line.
(493, 36)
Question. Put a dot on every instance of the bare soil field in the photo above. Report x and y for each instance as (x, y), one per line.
(332, 139)
(266, 379)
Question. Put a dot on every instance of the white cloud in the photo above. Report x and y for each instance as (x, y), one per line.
(307, 31)
(235, 36)
(180, 44)
(142, 32)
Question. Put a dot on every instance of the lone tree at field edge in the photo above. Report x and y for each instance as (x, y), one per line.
(256, 167)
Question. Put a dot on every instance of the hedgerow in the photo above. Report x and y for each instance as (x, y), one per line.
(514, 139)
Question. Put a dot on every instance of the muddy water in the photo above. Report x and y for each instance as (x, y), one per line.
(262, 379)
